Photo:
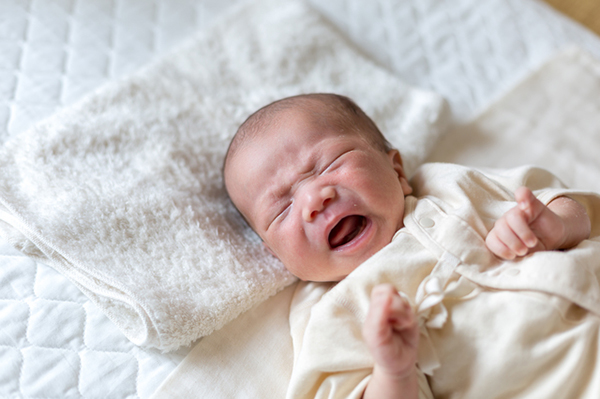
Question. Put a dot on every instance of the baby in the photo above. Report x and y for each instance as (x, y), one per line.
(315, 178)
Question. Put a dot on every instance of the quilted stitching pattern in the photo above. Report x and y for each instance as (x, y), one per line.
(53, 52)
(54, 343)
(469, 51)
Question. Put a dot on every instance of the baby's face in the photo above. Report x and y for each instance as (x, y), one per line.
(323, 201)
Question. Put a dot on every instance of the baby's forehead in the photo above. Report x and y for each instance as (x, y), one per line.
(310, 111)
(274, 120)
(314, 111)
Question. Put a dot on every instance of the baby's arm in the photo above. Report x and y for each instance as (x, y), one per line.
(392, 335)
(532, 226)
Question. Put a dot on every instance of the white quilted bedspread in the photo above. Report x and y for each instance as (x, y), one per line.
(53, 342)
(470, 51)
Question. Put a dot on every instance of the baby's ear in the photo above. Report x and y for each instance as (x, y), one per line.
(396, 160)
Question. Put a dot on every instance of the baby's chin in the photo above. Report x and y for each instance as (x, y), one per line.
(330, 272)
(343, 259)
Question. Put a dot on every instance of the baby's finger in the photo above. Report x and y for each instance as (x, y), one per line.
(401, 315)
(523, 237)
(509, 237)
(528, 203)
(377, 327)
(497, 247)
(404, 321)
(383, 293)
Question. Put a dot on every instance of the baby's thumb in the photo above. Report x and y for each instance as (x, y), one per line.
(529, 204)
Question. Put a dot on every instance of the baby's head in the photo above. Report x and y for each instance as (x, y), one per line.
(315, 178)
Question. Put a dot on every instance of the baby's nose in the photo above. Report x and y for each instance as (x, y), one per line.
(316, 202)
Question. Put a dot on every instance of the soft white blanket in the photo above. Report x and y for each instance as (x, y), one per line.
(122, 192)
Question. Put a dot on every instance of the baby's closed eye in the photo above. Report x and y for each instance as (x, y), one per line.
(284, 210)
(335, 163)
(280, 213)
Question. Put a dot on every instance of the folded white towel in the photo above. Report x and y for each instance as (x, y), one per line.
(123, 194)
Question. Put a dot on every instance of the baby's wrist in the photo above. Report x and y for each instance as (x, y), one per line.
(576, 222)
(394, 375)
(392, 385)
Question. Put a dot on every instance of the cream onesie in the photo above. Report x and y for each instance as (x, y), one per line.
(489, 328)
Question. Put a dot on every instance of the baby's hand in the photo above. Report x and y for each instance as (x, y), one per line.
(532, 226)
(391, 332)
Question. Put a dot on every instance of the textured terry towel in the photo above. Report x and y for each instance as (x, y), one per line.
(122, 192)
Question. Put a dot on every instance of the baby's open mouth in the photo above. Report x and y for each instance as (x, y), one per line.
(346, 230)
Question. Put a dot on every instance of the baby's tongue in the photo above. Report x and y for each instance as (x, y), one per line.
(346, 230)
